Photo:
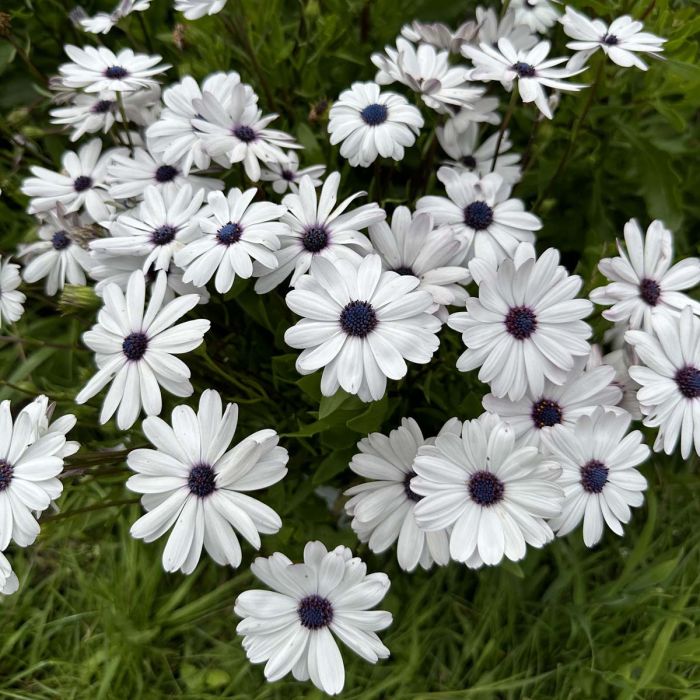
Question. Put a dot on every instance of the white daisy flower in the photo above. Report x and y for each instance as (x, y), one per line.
(467, 154)
(481, 213)
(492, 27)
(538, 15)
(383, 509)
(235, 232)
(620, 360)
(57, 256)
(620, 41)
(529, 68)
(11, 299)
(361, 325)
(130, 176)
(599, 478)
(237, 130)
(669, 377)
(195, 485)
(163, 223)
(494, 493)
(285, 174)
(9, 582)
(195, 9)
(536, 414)
(41, 411)
(643, 283)
(483, 110)
(292, 627)
(103, 22)
(82, 183)
(173, 137)
(411, 247)
(525, 326)
(440, 35)
(368, 123)
(135, 350)
(97, 69)
(29, 465)
(319, 228)
(442, 86)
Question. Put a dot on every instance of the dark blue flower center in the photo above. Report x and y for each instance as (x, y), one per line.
(650, 291)
(102, 106)
(202, 480)
(546, 413)
(688, 381)
(524, 70)
(315, 238)
(229, 233)
(287, 175)
(410, 493)
(60, 240)
(82, 183)
(244, 133)
(116, 72)
(134, 346)
(6, 471)
(166, 173)
(485, 488)
(478, 215)
(163, 234)
(594, 476)
(521, 322)
(403, 270)
(374, 114)
(315, 612)
(610, 40)
(358, 318)
(469, 162)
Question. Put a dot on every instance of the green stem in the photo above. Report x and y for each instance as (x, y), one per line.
(144, 29)
(504, 124)
(88, 509)
(125, 121)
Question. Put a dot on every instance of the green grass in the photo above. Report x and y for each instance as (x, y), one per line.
(96, 617)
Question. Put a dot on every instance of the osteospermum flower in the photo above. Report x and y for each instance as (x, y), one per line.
(600, 482)
(159, 227)
(461, 144)
(41, 413)
(135, 350)
(525, 325)
(97, 69)
(382, 509)
(538, 15)
(492, 27)
(82, 182)
(439, 34)
(442, 86)
(643, 283)
(530, 68)
(237, 130)
(195, 9)
(103, 22)
(292, 627)
(495, 494)
(284, 175)
(361, 325)
(481, 213)
(29, 465)
(11, 299)
(319, 229)
(9, 582)
(368, 123)
(411, 247)
(193, 483)
(536, 414)
(131, 175)
(236, 232)
(669, 377)
(620, 41)
(57, 256)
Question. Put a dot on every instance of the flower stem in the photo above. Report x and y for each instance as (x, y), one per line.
(125, 121)
(504, 125)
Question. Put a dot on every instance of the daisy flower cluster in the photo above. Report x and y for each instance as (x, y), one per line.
(178, 195)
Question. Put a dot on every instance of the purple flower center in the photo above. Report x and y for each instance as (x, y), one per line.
(410, 493)
(82, 183)
(521, 322)
(163, 234)
(688, 381)
(650, 291)
(244, 133)
(478, 215)
(315, 612)
(469, 162)
(524, 70)
(202, 480)
(6, 471)
(546, 413)
(229, 233)
(60, 240)
(594, 476)
(102, 106)
(358, 318)
(315, 238)
(374, 114)
(610, 40)
(166, 173)
(116, 72)
(287, 175)
(404, 271)
(485, 488)
(134, 346)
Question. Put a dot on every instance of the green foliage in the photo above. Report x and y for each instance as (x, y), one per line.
(96, 616)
